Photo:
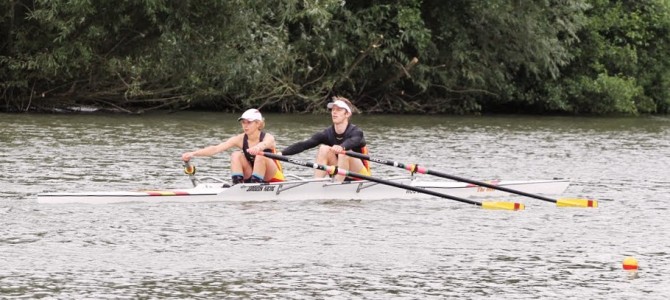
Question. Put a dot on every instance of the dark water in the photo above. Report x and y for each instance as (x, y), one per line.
(391, 249)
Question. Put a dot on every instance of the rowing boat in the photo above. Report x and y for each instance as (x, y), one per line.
(308, 189)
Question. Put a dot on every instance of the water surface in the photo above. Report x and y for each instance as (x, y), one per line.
(390, 249)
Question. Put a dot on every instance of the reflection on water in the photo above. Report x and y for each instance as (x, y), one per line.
(335, 249)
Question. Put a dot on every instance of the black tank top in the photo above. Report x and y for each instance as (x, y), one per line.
(245, 146)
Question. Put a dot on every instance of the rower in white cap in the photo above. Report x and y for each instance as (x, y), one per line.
(334, 140)
(245, 166)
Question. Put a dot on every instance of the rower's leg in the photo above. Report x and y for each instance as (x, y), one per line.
(348, 163)
(355, 164)
(239, 165)
(260, 169)
(265, 167)
(324, 157)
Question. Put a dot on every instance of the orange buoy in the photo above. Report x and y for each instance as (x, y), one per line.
(630, 263)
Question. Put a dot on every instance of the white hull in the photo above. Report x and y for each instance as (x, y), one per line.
(310, 189)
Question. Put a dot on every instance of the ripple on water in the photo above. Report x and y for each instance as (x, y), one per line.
(335, 249)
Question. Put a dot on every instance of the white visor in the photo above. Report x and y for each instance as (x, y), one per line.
(340, 104)
(251, 115)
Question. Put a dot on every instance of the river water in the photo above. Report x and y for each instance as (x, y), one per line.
(390, 249)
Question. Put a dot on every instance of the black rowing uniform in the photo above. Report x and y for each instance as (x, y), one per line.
(245, 146)
(351, 139)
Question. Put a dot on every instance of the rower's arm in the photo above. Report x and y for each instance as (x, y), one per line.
(354, 140)
(315, 140)
(234, 141)
(267, 143)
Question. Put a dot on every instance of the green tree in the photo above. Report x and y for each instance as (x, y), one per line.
(621, 63)
(487, 53)
(149, 54)
(575, 56)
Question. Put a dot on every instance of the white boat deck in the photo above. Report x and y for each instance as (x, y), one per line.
(308, 189)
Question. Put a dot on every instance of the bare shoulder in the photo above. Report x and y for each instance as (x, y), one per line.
(235, 140)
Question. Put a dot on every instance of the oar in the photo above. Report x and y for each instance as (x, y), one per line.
(333, 170)
(189, 170)
(414, 168)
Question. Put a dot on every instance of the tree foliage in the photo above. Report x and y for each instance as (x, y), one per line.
(620, 63)
(547, 56)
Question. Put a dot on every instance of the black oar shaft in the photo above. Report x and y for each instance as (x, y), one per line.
(414, 168)
(369, 178)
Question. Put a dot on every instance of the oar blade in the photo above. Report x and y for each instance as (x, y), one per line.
(496, 205)
(576, 202)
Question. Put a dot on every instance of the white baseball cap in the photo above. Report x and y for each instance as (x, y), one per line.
(251, 115)
(340, 104)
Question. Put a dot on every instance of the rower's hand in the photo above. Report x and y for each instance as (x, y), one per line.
(255, 150)
(337, 149)
(186, 157)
